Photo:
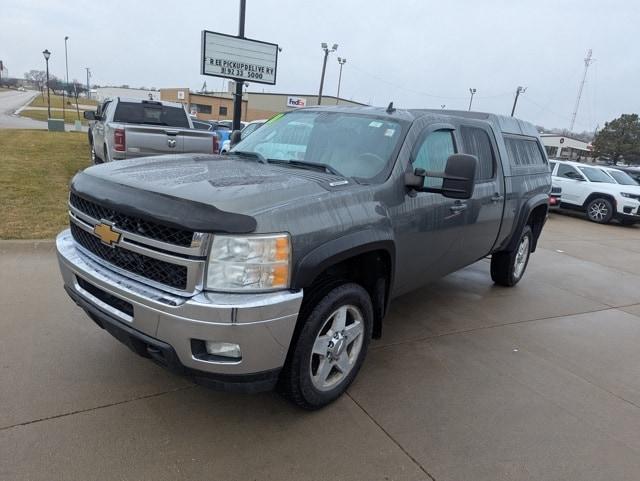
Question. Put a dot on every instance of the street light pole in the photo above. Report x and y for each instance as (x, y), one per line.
(66, 84)
(88, 87)
(472, 92)
(327, 51)
(519, 91)
(47, 54)
(341, 61)
(237, 100)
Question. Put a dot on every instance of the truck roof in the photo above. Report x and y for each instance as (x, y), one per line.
(508, 125)
(139, 101)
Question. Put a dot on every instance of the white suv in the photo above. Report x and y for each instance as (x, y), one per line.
(591, 190)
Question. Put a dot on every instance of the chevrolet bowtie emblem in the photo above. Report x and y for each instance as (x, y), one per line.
(106, 234)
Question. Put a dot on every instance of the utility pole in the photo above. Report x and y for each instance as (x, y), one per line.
(341, 61)
(519, 91)
(88, 86)
(472, 92)
(587, 61)
(327, 51)
(237, 100)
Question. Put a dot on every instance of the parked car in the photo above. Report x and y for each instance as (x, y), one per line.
(275, 264)
(246, 131)
(633, 172)
(202, 125)
(589, 189)
(229, 124)
(127, 128)
(619, 176)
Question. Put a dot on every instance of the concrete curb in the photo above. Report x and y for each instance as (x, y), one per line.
(19, 246)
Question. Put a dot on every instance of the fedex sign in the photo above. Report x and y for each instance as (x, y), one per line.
(296, 102)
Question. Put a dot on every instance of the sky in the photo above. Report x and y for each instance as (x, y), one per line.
(418, 54)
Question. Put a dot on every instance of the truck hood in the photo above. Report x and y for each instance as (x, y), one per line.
(228, 184)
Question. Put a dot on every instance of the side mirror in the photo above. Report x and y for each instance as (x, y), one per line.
(89, 115)
(235, 137)
(458, 179)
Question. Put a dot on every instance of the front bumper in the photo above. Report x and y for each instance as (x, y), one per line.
(168, 328)
(629, 211)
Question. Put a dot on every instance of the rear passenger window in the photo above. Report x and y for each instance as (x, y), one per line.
(476, 142)
(524, 151)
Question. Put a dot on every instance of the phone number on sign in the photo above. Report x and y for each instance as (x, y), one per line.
(234, 72)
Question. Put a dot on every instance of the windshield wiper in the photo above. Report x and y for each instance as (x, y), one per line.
(309, 165)
(252, 155)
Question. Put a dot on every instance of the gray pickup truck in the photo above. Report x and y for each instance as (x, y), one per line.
(274, 265)
(128, 128)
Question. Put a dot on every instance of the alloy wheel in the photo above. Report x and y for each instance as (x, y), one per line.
(522, 255)
(598, 211)
(336, 348)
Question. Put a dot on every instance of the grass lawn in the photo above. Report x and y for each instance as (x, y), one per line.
(69, 116)
(56, 101)
(36, 169)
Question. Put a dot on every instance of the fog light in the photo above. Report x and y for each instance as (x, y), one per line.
(225, 349)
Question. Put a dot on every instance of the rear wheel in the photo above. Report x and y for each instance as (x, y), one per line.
(600, 210)
(330, 348)
(507, 267)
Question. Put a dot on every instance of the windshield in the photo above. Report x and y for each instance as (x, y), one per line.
(622, 177)
(595, 175)
(353, 145)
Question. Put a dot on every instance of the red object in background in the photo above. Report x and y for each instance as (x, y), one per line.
(119, 141)
(216, 144)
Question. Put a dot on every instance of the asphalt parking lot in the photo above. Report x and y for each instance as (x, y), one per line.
(470, 382)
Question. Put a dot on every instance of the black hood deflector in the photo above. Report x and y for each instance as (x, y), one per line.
(160, 208)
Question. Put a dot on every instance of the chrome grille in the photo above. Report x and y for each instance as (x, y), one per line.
(162, 272)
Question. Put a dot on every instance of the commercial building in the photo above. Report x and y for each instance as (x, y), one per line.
(563, 147)
(101, 93)
(255, 105)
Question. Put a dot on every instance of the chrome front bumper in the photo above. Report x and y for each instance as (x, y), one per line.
(262, 324)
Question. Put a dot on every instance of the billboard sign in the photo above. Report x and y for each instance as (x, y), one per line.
(238, 58)
(296, 102)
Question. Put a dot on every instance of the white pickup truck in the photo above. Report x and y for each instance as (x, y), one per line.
(127, 128)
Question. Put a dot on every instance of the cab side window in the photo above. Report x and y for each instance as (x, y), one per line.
(476, 142)
(433, 153)
(568, 172)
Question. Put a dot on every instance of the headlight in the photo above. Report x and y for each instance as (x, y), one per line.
(242, 263)
(630, 196)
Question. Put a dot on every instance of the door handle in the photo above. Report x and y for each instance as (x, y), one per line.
(458, 207)
(496, 197)
(171, 132)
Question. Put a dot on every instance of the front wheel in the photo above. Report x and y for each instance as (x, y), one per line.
(600, 211)
(330, 348)
(507, 267)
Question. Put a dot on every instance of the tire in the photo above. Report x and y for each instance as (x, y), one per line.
(508, 267)
(325, 360)
(627, 222)
(600, 210)
(94, 158)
